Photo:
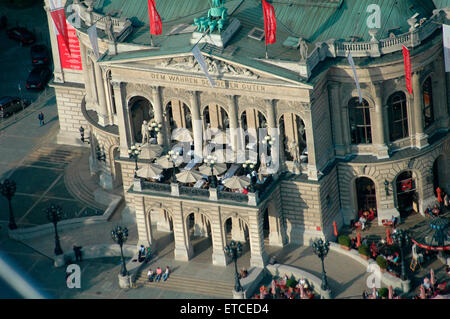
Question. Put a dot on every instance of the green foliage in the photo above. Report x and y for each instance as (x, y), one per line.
(383, 293)
(382, 262)
(291, 282)
(344, 240)
(364, 250)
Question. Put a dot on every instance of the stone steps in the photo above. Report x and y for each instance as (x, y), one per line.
(78, 189)
(189, 285)
(52, 155)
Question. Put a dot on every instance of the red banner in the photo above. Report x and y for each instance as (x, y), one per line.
(270, 23)
(406, 185)
(59, 18)
(407, 61)
(154, 18)
(70, 59)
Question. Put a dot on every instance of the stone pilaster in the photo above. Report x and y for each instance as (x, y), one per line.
(196, 125)
(234, 126)
(125, 140)
(421, 139)
(159, 114)
(336, 124)
(218, 239)
(102, 110)
(258, 256)
(183, 249)
(379, 138)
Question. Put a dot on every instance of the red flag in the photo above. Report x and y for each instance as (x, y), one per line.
(335, 229)
(407, 61)
(59, 18)
(270, 23)
(155, 19)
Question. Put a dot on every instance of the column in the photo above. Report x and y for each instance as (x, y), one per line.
(143, 222)
(87, 82)
(102, 110)
(92, 84)
(345, 129)
(310, 144)
(335, 99)
(234, 126)
(183, 249)
(273, 132)
(379, 138)
(157, 106)
(218, 242)
(124, 137)
(421, 137)
(258, 257)
(196, 125)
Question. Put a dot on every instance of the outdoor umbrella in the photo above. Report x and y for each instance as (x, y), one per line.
(335, 229)
(388, 236)
(217, 169)
(182, 135)
(432, 234)
(149, 171)
(358, 240)
(274, 287)
(189, 176)
(374, 292)
(391, 293)
(151, 151)
(237, 182)
(164, 162)
(302, 292)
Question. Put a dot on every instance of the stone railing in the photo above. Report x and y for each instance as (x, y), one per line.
(231, 196)
(157, 187)
(192, 191)
(373, 48)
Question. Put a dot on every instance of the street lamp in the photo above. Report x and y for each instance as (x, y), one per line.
(84, 139)
(269, 141)
(173, 157)
(249, 167)
(8, 189)
(321, 249)
(234, 251)
(401, 237)
(154, 127)
(101, 156)
(54, 216)
(134, 152)
(120, 236)
(386, 187)
(211, 162)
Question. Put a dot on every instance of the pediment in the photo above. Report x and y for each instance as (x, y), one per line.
(218, 68)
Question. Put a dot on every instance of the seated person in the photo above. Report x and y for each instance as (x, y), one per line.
(429, 212)
(427, 283)
(158, 274)
(150, 275)
(371, 215)
(435, 210)
(244, 273)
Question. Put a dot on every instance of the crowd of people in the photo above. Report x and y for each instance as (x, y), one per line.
(154, 276)
(286, 288)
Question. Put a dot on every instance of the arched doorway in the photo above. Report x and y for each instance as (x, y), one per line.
(235, 228)
(252, 120)
(293, 134)
(407, 197)
(365, 194)
(200, 242)
(140, 110)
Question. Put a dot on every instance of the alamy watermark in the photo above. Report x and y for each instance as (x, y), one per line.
(374, 279)
(73, 279)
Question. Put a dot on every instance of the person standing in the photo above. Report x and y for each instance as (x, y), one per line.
(77, 252)
(41, 118)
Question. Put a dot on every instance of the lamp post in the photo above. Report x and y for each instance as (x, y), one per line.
(120, 236)
(154, 127)
(101, 156)
(173, 157)
(249, 167)
(269, 141)
(321, 249)
(134, 152)
(401, 237)
(8, 189)
(211, 162)
(386, 187)
(234, 251)
(54, 216)
(84, 139)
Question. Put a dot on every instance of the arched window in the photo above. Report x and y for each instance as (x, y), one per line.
(428, 111)
(398, 116)
(360, 127)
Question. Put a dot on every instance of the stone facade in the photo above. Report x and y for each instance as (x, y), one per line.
(323, 149)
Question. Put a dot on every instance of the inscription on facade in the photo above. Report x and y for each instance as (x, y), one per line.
(181, 79)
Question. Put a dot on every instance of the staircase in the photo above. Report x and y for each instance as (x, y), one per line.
(80, 186)
(48, 154)
(217, 289)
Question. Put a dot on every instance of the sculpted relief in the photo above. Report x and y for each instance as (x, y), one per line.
(215, 67)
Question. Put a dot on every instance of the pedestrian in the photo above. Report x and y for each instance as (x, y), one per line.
(150, 275)
(158, 274)
(41, 118)
(141, 253)
(77, 252)
(166, 273)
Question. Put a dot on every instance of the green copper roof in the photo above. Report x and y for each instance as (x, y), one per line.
(441, 3)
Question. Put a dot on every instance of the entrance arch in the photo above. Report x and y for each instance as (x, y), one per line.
(407, 196)
(366, 197)
(439, 173)
(199, 242)
(293, 134)
(140, 110)
(251, 120)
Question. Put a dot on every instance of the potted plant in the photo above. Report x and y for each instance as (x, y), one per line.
(291, 283)
(383, 293)
(382, 263)
(364, 251)
(344, 241)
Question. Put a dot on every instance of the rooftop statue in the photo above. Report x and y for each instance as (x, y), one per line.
(216, 20)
